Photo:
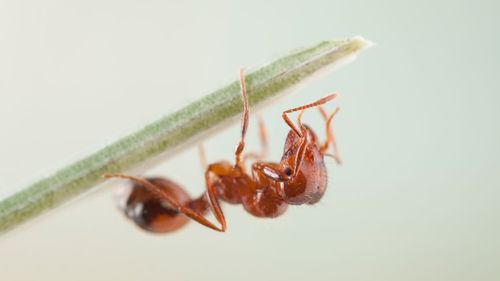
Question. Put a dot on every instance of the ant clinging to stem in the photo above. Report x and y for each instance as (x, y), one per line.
(160, 205)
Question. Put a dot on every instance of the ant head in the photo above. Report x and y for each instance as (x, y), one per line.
(306, 185)
(300, 174)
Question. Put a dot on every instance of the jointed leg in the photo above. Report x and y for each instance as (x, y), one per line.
(330, 137)
(203, 157)
(244, 118)
(263, 142)
(214, 201)
(162, 195)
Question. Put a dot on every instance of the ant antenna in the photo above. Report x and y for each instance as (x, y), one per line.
(303, 107)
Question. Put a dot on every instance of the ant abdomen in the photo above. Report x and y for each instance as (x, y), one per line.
(151, 213)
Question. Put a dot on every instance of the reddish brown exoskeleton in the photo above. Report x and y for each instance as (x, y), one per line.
(160, 205)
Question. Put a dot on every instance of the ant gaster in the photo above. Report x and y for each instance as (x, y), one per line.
(160, 205)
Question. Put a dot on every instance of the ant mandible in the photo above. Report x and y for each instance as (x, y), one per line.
(160, 205)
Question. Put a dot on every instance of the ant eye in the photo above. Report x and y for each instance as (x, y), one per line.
(288, 171)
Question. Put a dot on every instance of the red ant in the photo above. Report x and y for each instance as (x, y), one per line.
(160, 205)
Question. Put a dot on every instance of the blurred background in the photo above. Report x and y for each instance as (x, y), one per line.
(419, 131)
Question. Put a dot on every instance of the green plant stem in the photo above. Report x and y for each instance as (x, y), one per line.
(166, 134)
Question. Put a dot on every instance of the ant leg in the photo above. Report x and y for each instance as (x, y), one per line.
(202, 156)
(316, 103)
(212, 176)
(162, 195)
(263, 142)
(330, 137)
(244, 118)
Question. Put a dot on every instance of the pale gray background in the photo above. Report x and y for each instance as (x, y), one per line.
(417, 198)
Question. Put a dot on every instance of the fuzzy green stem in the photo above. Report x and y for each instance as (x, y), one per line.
(166, 134)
